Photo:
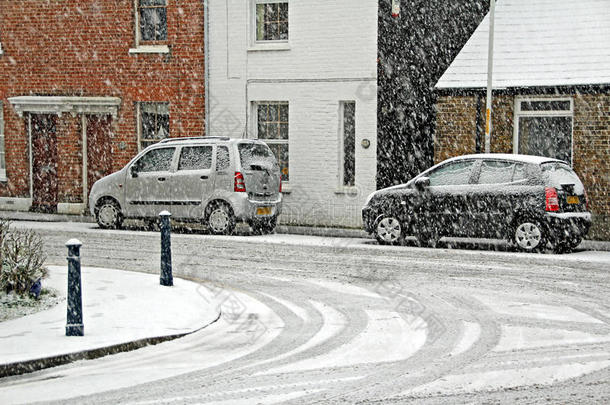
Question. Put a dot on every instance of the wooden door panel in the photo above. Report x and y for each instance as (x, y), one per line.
(44, 162)
(99, 148)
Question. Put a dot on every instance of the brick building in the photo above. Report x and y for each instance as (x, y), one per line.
(85, 84)
(551, 93)
(340, 90)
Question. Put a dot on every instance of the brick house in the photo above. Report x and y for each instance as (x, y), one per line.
(85, 84)
(340, 90)
(551, 92)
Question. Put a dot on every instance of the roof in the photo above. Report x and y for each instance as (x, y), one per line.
(537, 43)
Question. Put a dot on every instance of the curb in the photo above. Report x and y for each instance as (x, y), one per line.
(281, 229)
(29, 366)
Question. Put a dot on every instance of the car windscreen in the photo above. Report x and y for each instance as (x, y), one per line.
(257, 156)
(556, 174)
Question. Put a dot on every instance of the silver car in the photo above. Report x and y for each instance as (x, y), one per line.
(214, 180)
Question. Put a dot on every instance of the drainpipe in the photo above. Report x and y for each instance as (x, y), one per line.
(206, 64)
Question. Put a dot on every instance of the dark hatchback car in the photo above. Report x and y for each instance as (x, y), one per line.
(532, 201)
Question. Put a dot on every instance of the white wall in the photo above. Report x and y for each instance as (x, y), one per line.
(331, 57)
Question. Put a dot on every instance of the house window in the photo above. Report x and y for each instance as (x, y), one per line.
(152, 20)
(2, 156)
(348, 143)
(544, 127)
(153, 123)
(272, 127)
(271, 20)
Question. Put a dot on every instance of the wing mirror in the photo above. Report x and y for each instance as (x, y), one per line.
(133, 170)
(422, 183)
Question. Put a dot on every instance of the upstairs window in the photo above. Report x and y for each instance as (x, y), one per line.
(271, 20)
(152, 20)
(153, 124)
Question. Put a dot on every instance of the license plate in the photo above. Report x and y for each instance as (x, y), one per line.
(573, 199)
(263, 211)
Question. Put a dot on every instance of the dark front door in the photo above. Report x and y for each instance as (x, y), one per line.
(99, 149)
(44, 162)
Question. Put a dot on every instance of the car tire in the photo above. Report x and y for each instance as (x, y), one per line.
(108, 214)
(529, 235)
(388, 230)
(220, 219)
(263, 226)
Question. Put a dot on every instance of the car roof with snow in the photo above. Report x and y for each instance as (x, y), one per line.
(509, 156)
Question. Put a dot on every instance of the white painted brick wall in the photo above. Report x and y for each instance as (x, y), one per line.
(331, 58)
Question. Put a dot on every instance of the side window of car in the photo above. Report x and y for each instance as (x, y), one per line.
(223, 161)
(495, 172)
(520, 173)
(156, 160)
(195, 158)
(452, 174)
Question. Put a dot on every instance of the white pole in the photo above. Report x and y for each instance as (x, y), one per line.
(490, 65)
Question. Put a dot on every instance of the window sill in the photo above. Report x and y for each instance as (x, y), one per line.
(149, 49)
(347, 190)
(273, 46)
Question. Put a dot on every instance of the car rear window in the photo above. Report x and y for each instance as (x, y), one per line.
(556, 174)
(256, 156)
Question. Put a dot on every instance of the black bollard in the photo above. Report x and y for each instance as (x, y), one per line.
(166, 250)
(74, 322)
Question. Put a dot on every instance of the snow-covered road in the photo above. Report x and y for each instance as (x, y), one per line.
(330, 320)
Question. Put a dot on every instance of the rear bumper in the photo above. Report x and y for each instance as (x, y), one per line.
(245, 209)
(568, 224)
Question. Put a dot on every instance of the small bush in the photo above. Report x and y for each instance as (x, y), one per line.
(21, 258)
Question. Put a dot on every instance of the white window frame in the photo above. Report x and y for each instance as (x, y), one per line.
(139, 120)
(518, 113)
(2, 143)
(140, 48)
(255, 105)
(276, 45)
(341, 168)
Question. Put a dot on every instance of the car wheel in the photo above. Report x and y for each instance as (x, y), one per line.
(108, 215)
(264, 226)
(220, 219)
(529, 236)
(388, 231)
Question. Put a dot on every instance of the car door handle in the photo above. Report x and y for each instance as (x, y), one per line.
(204, 177)
(161, 179)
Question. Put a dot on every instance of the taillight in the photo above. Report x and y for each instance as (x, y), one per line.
(280, 184)
(552, 201)
(240, 185)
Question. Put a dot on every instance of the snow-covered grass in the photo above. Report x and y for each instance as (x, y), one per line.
(15, 306)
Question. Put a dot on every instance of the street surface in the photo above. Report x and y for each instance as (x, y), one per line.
(330, 320)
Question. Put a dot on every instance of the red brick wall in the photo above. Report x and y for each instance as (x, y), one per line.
(456, 132)
(80, 48)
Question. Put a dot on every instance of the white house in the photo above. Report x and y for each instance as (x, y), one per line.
(301, 75)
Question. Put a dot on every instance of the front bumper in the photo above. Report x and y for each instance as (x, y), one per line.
(368, 219)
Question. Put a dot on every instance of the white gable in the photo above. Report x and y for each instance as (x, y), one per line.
(538, 43)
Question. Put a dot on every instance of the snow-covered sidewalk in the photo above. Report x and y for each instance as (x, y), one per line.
(119, 308)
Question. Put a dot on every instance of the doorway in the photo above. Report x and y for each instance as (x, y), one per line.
(44, 162)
